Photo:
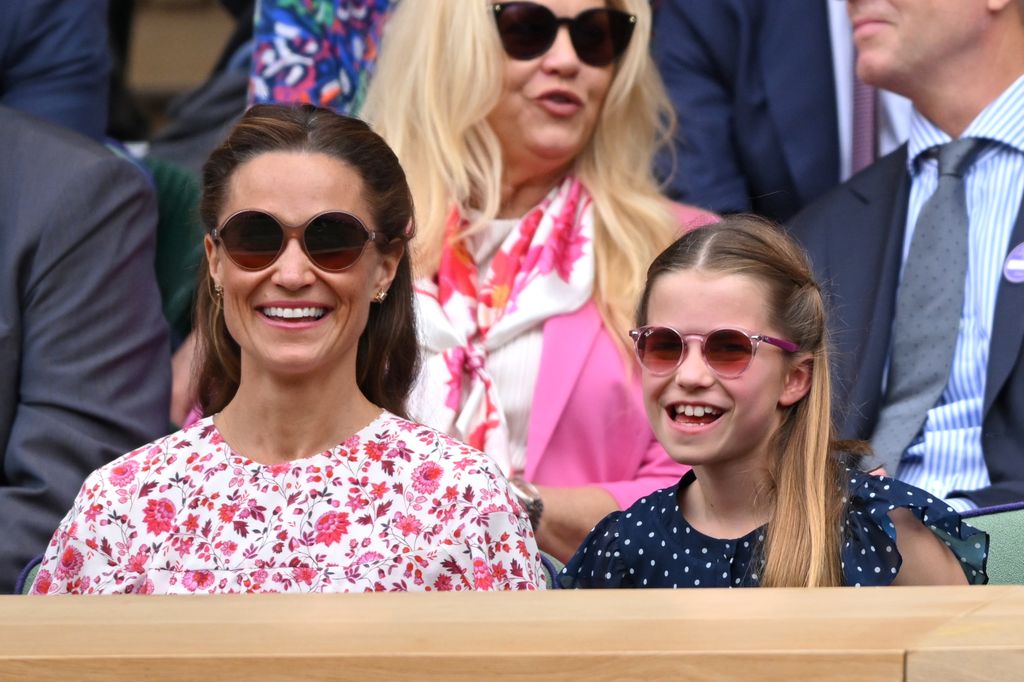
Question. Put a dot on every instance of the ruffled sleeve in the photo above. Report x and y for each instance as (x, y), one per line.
(597, 563)
(869, 554)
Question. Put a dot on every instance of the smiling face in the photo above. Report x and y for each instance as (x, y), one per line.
(550, 105)
(292, 318)
(700, 418)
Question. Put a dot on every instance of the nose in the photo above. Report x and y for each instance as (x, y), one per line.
(693, 371)
(562, 57)
(292, 269)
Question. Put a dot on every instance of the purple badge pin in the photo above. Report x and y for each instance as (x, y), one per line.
(1013, 269)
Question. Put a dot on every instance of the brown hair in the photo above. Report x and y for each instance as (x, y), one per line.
(388, 354)
(802, 543)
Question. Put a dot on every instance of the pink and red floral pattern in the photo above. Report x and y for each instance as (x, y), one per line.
(398, 506)
(543, 268)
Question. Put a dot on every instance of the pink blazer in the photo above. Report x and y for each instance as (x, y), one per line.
(588, 425)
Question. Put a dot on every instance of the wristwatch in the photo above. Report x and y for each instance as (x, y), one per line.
(529, 498)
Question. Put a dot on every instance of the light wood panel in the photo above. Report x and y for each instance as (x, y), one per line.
(764, 634)
(986, 644)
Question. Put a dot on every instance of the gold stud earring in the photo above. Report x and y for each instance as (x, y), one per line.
(381, 295)
(218, 291)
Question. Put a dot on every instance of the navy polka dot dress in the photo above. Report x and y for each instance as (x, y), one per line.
(651, 544)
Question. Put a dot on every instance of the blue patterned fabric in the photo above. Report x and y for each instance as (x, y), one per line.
(316, 51)
(651, 544)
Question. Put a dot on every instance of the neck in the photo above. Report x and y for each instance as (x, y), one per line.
(958, 94)
(522, 190)
(726, 501)
(274, 419)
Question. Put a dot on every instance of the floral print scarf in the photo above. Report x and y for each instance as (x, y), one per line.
(543, 268)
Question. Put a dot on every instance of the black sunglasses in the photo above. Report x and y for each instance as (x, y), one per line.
(333, 240)
(528, 30)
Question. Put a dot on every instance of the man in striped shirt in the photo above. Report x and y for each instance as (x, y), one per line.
(961, 63)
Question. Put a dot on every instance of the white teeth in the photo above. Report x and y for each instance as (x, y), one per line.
(294, 313)
(697, 410)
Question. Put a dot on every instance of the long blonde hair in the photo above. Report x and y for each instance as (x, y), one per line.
(802, 543)
(439, 76)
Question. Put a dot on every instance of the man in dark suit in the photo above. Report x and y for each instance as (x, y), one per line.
(963, 68)
(84, 356)
(753, 86)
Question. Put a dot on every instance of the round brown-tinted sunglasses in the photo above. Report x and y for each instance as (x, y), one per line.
(528, 30)
(332, 240)
(728, 352)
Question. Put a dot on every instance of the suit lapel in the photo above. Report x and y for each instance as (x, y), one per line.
(567, 343)
(803, 127)
(1007, 326)
(865, 254)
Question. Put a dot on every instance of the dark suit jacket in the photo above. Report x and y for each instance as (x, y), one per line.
(855, 236)
(752, 83)
(55, 61)
(84, 357)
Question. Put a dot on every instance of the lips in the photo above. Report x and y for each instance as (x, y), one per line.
(863, 26)
(560, 102)
(293, 313)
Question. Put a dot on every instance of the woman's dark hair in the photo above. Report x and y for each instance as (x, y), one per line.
(388, 353)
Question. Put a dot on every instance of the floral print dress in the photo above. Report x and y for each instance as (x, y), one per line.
(397, 506)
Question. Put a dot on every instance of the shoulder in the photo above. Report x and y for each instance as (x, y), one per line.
(24, 134)
(55, 169)
(616, 550)
(159, 457)
(390, 427)
(642, 519)
(879, 180)
(598, 562)
(416, 444)
(885, 518)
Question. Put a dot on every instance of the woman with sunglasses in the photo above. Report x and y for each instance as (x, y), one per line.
(528, 131)
(734, 356)
(303, 475)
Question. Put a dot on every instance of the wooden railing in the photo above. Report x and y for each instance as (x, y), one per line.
(925, 633)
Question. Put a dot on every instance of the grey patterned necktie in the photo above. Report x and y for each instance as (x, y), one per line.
(928, 308)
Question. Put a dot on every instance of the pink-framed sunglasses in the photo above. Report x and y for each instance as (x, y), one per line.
(727, 352)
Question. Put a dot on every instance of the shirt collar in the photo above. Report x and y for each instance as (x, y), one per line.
(1001, 121)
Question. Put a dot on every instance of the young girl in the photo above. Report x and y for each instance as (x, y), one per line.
(733, 352)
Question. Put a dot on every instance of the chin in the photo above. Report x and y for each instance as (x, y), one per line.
(874, 70)
(690, 453)
(294, 365)
(558, 148)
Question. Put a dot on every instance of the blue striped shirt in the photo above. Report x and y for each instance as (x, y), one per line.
(947, 454)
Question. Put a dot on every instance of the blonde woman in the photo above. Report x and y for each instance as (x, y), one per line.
(527, 130)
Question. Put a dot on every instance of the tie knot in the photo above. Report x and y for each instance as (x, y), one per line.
(956, 157)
